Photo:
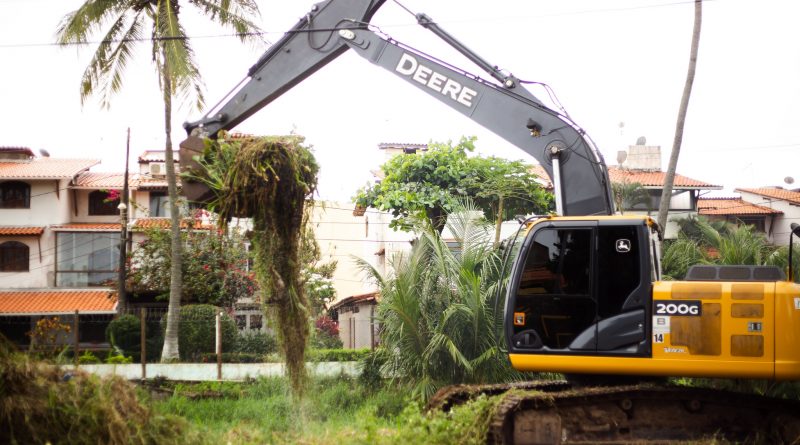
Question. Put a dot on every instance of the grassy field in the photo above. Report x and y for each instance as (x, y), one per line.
(336, 410)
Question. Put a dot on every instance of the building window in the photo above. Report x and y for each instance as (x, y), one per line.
(255, 322)
(15, 195)
(87, 259)
(102, 203)
(159, 204)
(14, 257)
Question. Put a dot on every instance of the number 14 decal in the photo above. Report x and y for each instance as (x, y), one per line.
(658, 338)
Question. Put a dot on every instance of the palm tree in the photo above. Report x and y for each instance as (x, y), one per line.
(703, 242)
(440, 323)
(669, 179)
(126, 23)
(629, 194)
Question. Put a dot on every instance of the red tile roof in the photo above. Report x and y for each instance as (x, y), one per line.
(156, 156)
(653, 179)
(87, 227)
(45, 168)
(148, 183)
(20, 231)
(57, 301)
(355, 299)
(99, 180)
(732, 206)
(164, 223)
(776, 193)
(18, 150)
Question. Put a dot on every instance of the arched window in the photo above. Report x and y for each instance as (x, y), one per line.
(101, 203)
(15, 195)
(14, 257)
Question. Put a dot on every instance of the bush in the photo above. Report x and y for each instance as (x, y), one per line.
(232, 357)
(371, 376)
(88, 358)
(337, 355)
(124, 334)
(196, 332)
(323, 340)
(256, 342)
(118, 359)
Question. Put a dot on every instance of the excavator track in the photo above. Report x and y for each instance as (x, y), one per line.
(538, 413)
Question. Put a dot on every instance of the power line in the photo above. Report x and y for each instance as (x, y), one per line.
(401, 25)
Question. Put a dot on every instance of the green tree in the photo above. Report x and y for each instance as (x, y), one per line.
(214, 267)
(434, 182)
(504, 189)
(629, 194)
(440, 324)
(126, 23)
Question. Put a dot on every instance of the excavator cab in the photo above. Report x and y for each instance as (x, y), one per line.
(581, 286)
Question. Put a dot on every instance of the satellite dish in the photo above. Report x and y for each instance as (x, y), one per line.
(641, 141)
(622, 155)
(788, 180)
(44, 153)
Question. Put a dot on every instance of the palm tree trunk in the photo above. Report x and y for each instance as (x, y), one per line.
(170, 350)
(669, 179)
(499, 222)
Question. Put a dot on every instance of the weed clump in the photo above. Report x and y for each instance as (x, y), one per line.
(42, 403)
(269, 179)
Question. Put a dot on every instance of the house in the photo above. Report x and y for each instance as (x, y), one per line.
(356, 317)
(778, 199)
(738, 211)
(59, 244)
(641, 164)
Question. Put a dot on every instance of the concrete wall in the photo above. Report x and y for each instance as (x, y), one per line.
(47, 207)
(358, 329)
(208, 371)
(343, 237)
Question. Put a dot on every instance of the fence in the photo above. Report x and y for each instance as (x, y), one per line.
(212, 337)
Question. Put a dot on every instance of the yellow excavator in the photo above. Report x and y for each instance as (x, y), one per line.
(585, 294)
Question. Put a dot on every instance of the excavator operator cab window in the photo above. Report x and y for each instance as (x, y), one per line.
(583, 290)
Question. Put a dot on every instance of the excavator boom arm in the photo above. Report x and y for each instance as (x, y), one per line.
(510, 111)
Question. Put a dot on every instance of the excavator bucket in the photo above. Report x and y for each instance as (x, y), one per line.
(194, 191)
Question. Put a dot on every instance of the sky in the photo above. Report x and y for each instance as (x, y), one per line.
(617, 66)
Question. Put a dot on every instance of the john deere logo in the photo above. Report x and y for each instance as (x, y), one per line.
(623, 245)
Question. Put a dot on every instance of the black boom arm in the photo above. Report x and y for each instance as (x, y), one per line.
(510, 111)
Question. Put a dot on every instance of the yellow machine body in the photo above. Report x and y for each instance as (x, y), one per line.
(736, 329)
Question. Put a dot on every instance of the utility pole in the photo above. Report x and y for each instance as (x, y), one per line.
(122, 304)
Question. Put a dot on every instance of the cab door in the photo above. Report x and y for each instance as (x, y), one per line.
(581, 288)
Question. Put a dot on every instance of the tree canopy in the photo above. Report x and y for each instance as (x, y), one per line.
(434, 182)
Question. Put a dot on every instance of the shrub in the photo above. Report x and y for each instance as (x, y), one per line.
(118, 359)
(337, 355)
(88, 358)
(323, 340)
(124, 333)
(256, 342)
(371, 376)
(197, 331)
(232, 357)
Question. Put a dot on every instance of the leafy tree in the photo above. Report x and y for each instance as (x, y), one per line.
(440, 324)
(629, 194)
(126, 23)
(433, 182)
(214, 268)
(504, 189)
